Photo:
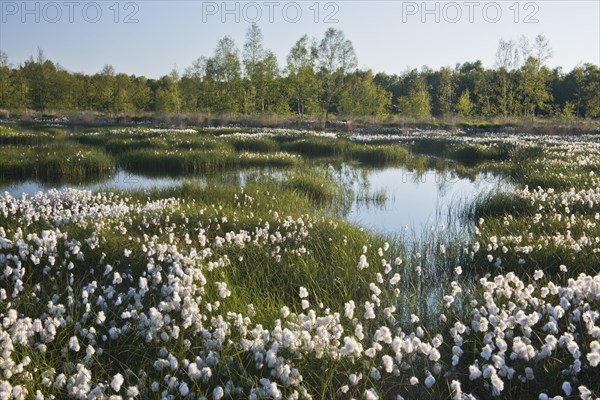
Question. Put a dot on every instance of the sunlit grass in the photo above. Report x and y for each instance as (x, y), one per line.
(254, 281)
(54, 162)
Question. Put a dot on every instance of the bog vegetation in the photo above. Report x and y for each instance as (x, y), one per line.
(259, 291)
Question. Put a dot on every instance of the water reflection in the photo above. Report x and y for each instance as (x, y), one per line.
(388, 200)
(415, 199)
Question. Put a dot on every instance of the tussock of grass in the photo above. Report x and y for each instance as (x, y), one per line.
(54, 162)
(10, 135)
(318, 187)
(280, 159)
(473, 153)
(499, 204)
(195, 161)
(316, 147)
(174, 162)
(379, 155)
(466, 153)
(253, 144)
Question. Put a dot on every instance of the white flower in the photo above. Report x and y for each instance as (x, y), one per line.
(19, 392)
(456, 390)
(529, 373)
(388, 363)
(89, 352)
(349, 309)
(303, 292)
(497, 382)
(116, 382)
(375, 374)
(538, 274)
(474, 372)
(585, 393)
(223, 291)
(354, 379)
(74, 343)
(429, 381)
(563, 268)
(351, 346)
(375, 289)
(194, 372)
(371, 352)
(594, 358)
(183, 389)
(362, 262)
(371, 394)
(133, 391)
(218, 393)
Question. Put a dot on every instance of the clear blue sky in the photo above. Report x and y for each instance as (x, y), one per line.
(388, 36)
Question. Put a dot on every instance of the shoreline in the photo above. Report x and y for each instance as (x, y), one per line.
(393, 124)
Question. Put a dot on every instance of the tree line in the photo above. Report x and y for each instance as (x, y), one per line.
(320, 78)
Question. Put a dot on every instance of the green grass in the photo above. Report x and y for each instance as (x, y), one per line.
(474, 153)
(465, 153)
(306, 244)
(498, 204)
(253, 144)
(317, 147)
(176, 162)
(379, 155)
(280, 159)
(343, 149)
(319, 187)
(56, 162)
(16, 135)
(185, 162)
(330, 247)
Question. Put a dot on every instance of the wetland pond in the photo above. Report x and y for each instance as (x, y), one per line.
(389, 200)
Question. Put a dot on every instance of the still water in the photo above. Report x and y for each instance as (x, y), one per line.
(390, 200)
(415, 202)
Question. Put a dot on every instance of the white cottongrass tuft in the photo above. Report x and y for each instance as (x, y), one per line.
(116, 382)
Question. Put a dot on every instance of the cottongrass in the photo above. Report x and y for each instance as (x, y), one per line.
(167, 327)
(223, 294)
